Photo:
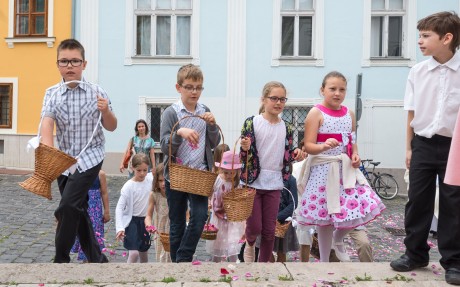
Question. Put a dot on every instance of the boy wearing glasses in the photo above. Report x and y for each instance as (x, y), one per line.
(74, 108)
(192, 142)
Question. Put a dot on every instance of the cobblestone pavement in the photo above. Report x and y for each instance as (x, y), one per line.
(27, 227)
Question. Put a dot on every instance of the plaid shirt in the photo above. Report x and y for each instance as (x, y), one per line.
(75, 113)
(191, 157)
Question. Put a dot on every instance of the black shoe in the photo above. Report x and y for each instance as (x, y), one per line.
(104, 259)
(453, 276)
(405, 264)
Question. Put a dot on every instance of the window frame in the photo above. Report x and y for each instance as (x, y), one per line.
(408, 50)
(317, 57)
(48, 38)
(30, 14)
(130, 37)
(12, 128)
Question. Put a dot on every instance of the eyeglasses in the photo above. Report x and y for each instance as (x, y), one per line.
(192, 88)
(276, 99)
(73, 62)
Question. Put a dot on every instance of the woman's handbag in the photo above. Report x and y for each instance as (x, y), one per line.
(128, 155)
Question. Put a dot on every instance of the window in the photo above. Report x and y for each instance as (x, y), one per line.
(30, 21)
(296, 115)
(387, 28)
(298, 26)
(387, 38)
(30, 18)
(6, 105)
(164, 30)
(154, 118)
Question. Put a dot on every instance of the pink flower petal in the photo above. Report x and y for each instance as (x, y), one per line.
(123, 254)
(330, 273)
(247, 275)
(196, 262)
(41, 284)
(224, 271)
(234, 278)
(413, 274)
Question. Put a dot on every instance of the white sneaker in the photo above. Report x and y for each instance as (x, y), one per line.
(342, 256)
(249, 252)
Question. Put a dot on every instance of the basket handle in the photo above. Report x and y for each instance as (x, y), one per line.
(174, 126)
(49, 100)
(292, 196)
(246, 165)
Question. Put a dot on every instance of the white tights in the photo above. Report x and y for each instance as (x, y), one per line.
(325, 236)
(134, 256)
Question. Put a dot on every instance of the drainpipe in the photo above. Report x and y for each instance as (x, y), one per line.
(74, 10)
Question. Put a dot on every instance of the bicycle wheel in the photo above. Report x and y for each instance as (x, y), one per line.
(386, 186)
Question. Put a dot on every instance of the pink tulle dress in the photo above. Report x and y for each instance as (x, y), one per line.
(228, 238)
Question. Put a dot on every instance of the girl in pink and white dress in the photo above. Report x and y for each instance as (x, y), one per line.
(336, 197)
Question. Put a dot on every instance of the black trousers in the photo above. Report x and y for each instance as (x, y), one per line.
(429, 160)
(73, 219)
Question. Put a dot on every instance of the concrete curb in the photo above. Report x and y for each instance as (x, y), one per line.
(209, 274)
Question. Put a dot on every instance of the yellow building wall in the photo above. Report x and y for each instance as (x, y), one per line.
(34, 64)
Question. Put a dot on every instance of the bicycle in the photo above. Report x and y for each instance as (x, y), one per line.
(384, 184)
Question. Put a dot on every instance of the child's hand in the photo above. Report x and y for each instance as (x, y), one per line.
(120, 235)
(106, 216)
(148, 221)
(299, 154)
(355, 160)
(330, 143)
(209, 118)
(189, 134)
(245, 143)
(102, 104)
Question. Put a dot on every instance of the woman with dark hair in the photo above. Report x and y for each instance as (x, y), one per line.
(141, 143)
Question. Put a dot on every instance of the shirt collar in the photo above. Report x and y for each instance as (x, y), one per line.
(64, 88)
(453, 63)
(198, 110)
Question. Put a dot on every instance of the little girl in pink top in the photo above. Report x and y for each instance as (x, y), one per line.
(227, 245)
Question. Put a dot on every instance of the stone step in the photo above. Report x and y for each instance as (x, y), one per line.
(209, 274)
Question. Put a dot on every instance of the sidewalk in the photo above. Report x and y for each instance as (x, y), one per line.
(27, 236)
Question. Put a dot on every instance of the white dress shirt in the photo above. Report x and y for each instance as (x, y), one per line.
(433, 93)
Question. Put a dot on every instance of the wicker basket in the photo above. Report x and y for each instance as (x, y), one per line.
(164, 239)
(209, 234)
(49, 161)
(281, 228)
(186, 179)
(49, 164)
(238, 202)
